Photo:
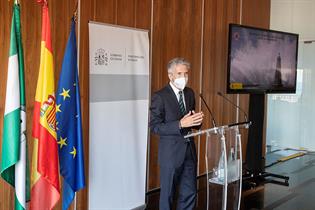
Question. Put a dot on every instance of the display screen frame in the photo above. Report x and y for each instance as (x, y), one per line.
(237, 88)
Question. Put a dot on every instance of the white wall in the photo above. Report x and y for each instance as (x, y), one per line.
(296, 16)
(290, 117)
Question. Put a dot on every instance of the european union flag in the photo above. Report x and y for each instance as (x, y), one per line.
(69, 128)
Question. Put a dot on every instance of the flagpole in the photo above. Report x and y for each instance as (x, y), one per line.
(75, 201)
(79, 26)
(78, 66)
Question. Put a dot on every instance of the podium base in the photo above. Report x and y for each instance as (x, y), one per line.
(220, 181)
(233, 174)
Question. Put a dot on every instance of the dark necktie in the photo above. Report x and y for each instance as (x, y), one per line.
(181, 103)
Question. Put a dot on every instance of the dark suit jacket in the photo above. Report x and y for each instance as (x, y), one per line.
(164, 121)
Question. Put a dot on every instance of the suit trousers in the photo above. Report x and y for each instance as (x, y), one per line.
(185, 178)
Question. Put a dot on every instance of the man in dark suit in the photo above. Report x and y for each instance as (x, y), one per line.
(172, 117)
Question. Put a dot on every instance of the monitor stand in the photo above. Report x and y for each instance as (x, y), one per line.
(255, 173)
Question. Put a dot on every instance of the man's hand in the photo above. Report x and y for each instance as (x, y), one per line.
(191, 119)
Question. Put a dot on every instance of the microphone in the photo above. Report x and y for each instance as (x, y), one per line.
(212, 117)
(231, 102)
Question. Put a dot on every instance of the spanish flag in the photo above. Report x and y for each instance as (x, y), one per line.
(45, 189)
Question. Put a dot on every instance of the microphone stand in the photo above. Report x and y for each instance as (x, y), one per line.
(231, 102)
(209, 110)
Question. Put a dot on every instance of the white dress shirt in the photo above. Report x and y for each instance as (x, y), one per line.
(176, 91)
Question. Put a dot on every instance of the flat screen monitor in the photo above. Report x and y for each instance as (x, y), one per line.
(261, 61)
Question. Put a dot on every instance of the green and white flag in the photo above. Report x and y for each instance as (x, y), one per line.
(14, 161)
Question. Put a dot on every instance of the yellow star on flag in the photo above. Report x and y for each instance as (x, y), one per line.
(74, 152)
(58, 108)
(65, 93)
(62, 142)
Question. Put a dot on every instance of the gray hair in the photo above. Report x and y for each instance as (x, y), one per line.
(176, 61)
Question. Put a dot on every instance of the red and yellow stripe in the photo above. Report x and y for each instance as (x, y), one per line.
(45, 188)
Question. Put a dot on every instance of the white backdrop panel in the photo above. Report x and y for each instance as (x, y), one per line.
(119, 164)
(119, 104)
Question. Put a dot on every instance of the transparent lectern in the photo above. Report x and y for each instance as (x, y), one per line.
(223, 159)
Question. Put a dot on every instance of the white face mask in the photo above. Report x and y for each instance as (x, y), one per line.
(181, 82)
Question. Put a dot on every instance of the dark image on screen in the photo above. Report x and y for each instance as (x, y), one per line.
(261, 60)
